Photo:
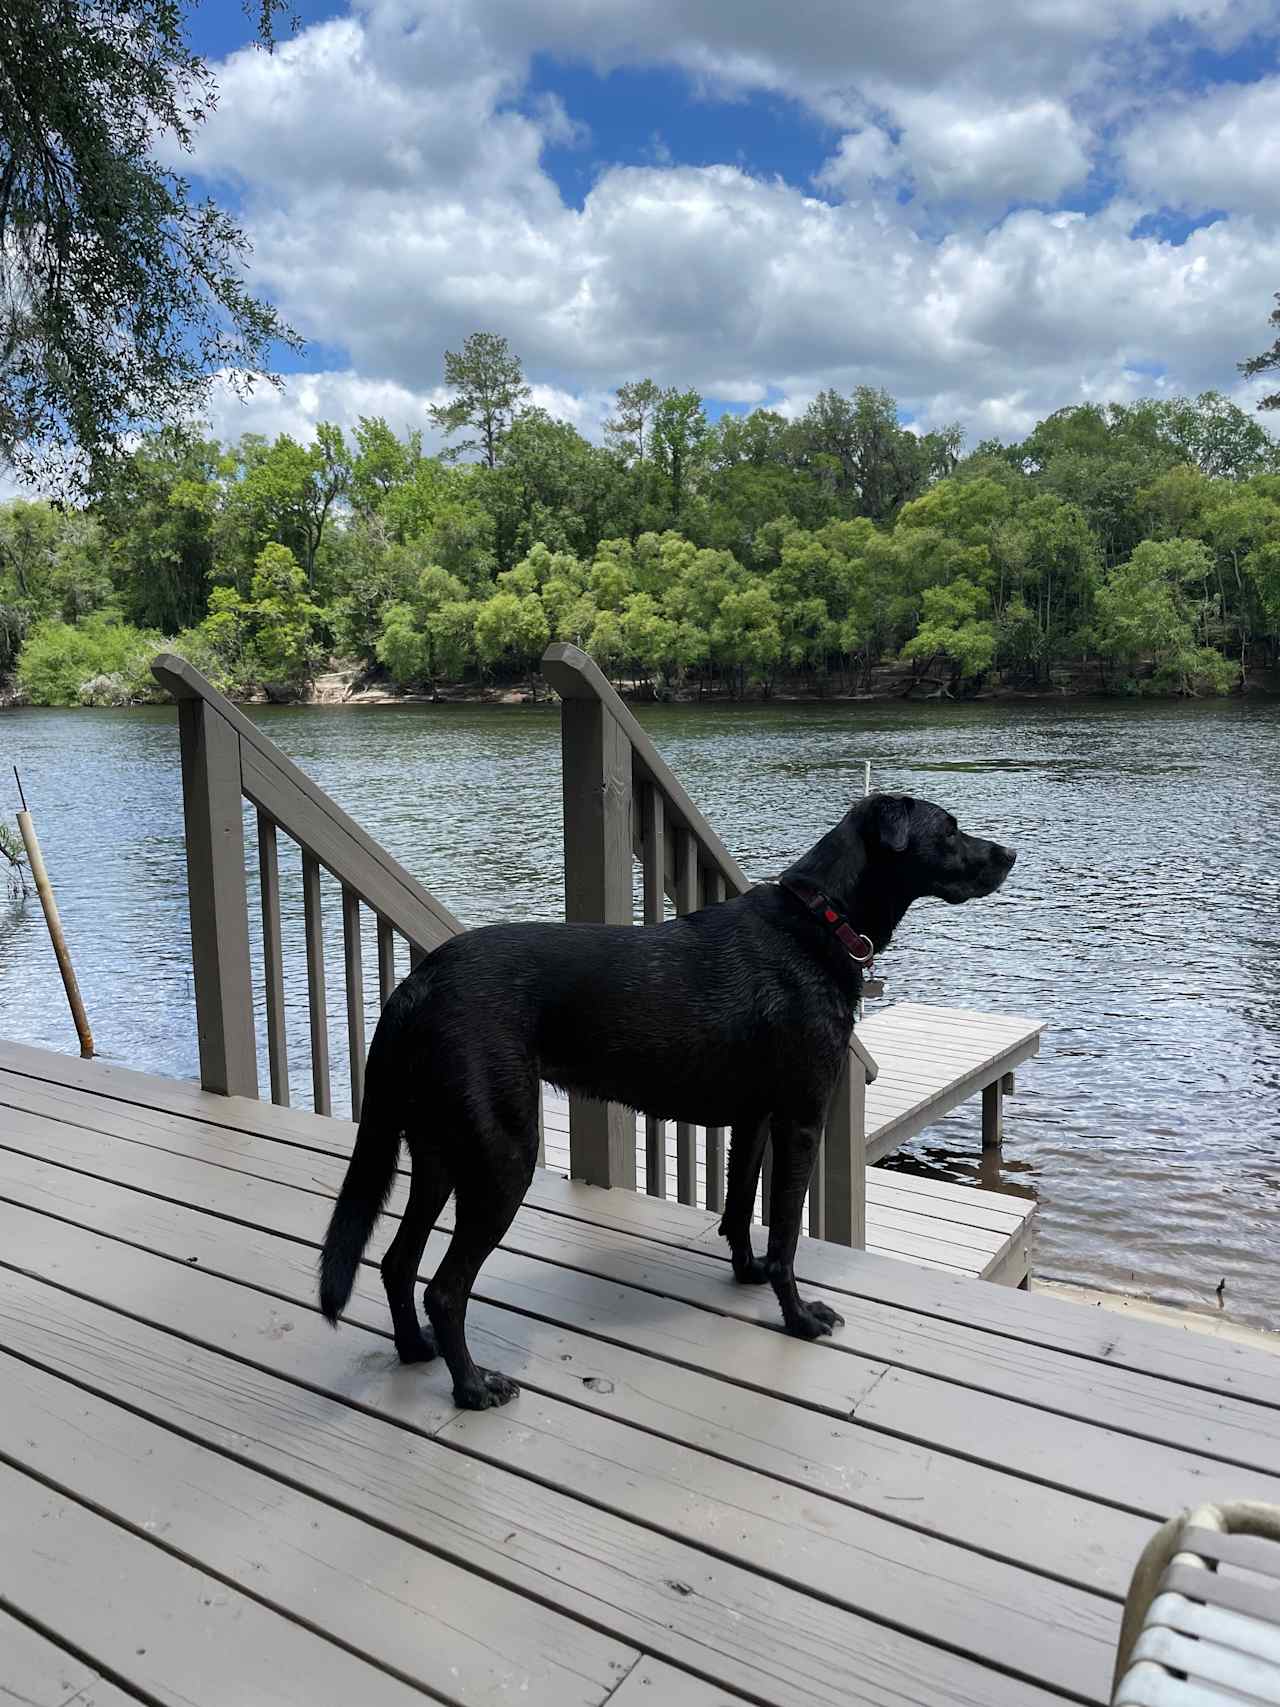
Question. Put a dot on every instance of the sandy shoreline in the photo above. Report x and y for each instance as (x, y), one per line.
(1145, 1310)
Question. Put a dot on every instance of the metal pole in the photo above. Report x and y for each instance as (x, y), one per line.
(45, 891)
(867, 782)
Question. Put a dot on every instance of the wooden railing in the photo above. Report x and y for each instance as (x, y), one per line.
(622, 803)
(226, 760)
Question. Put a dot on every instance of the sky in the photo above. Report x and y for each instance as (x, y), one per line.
(992, 208)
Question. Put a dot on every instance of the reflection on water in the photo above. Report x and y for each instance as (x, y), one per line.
(1142, 921)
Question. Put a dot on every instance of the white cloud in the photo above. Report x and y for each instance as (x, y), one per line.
(397, 202)
(1030, 151)
(1219, 150)
(308, 398)
(862, 157)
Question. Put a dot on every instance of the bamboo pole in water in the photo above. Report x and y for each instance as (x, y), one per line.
(45, 891)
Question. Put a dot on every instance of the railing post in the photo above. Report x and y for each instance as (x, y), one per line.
(598, 890)
(218, 900)
(843, 1159)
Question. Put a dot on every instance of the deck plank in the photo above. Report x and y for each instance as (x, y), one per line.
(35, 1672)
(653, 1684)
(793, 1435)
(686, 1602)
(1189, 1359)
(1005, 1260)
(176, 1634)
(434, 1623)
(939, 1505)
(1221, 1427)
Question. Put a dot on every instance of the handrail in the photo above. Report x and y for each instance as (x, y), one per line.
(225, 760)
(274, 783)
(622, 801)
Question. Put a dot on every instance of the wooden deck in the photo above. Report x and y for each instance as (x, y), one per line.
(931, 1060)
(928, 1060)
(208, 1497)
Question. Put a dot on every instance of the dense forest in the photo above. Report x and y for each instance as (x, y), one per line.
(1127, 548)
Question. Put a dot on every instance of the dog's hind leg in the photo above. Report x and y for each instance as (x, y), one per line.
(746, 1153)
(429, 1190)
(485, 1206)
(795, 1150)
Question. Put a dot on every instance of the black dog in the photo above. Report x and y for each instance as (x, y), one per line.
(736, 1016)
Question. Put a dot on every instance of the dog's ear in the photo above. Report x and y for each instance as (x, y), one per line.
(893, 821)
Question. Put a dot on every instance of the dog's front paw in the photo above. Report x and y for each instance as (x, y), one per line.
(814, 1320)
(487, 1390)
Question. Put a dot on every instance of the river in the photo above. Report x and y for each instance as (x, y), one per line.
(1142, 922)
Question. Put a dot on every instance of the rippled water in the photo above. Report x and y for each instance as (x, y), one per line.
(1142, 921)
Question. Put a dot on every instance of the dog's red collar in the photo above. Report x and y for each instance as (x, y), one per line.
(857, 944)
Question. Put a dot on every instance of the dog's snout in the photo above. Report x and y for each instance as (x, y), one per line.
(1006, 856)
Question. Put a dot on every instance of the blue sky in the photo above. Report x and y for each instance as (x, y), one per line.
(992, 210)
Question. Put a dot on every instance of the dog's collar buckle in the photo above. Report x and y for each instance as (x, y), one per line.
(856, 944)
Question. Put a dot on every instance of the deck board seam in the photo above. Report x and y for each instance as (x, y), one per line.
(171, 1551)
(108, 1674)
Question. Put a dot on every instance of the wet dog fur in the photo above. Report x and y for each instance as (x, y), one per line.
(738, 1015)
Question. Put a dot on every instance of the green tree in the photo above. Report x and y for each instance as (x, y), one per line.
(513, 630)
(954, 628)
(629, 426)
(871, 464)
(679, 443)
(268, 638)
(489, 386)
(97, 661)
(380, 466)
(284, 621)
(52, 565)
(121, 296)
(284, 494)
(551, 486)
(1217, 437)
(1148, 606)
(157, 507)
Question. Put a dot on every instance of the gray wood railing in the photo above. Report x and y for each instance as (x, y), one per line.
(225, 761)
(622, 803)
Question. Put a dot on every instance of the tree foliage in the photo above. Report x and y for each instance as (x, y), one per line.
(489, 389)
(120, 294)
(1268, 361)
(1138, 542)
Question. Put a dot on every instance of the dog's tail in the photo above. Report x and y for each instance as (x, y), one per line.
(370, 1176)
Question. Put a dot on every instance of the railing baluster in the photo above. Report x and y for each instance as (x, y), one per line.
(273, 959)
(686, 902)
(315, 982)
(714, 890)
(653, 859)
(386, 961)
(352, 954)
